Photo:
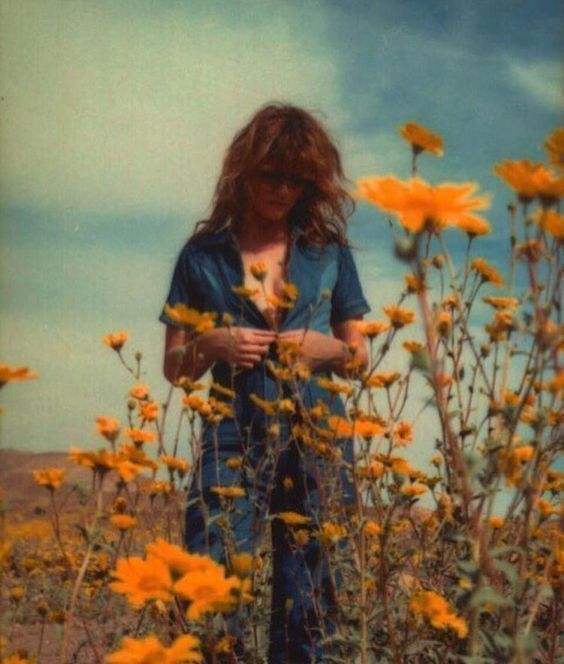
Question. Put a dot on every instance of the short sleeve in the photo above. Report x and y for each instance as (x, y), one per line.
(348, 299)
(184, 285)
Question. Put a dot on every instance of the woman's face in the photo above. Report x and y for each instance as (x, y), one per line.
(274, 193)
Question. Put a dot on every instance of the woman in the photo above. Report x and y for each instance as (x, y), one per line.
(277, 228)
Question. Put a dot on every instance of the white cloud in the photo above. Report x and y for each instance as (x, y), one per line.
(126, 110)
(543, 80)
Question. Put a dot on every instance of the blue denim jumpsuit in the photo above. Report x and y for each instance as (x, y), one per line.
(329, 292)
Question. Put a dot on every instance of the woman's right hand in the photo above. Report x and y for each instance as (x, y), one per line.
(242, 346)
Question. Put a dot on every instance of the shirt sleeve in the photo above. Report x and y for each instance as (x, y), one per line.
(348, 300)
(184, 285)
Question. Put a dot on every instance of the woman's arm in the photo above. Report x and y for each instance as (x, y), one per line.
(192, 355)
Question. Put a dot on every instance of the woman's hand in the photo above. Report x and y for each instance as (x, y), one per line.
(317, 351)
(242, 346)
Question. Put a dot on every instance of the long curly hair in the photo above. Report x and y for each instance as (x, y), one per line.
(291, 140)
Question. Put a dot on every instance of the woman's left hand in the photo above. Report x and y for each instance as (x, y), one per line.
(317, 351)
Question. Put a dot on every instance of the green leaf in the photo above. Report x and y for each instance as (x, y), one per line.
(421, 361)
(487, 595)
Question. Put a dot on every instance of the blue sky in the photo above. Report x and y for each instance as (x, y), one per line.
(115, 117)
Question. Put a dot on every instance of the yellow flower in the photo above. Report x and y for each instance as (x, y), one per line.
(372, 529)
(552, 222)
(269, 407)
(221, 389)
(531, 180)
(191, 318)
(142, 580)
(554, 145)
(184, 650)
(511, 463)
(444, 323)
(245, 292)
(331, 533)
(413, 346)
(140, 436)
(107, 427)
(178, 560)
(372, 328)
(399, 316)
(383, 379)
(414, 284)
(179, 465)
(208, 592)
(228, 491)
(438, 611)
(293, 518)
(333, 387)
(501, 302)
(242, 564)
(149, 411)
(259, 270)
(50, 478)
(140, 391)
(10, 374)
(413, 490)
(487, 272)
(115, 340)
(420, 206)
(402, 433)
(123, 521)
(422, 139)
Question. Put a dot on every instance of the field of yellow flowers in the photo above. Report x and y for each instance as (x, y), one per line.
(456, 581)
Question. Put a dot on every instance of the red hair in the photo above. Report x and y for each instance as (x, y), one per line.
(296, 144)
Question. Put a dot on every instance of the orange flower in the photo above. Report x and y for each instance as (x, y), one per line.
(242, 564)
(373, 471)
(140, 436)
(179, 465)
(228, 491)
(501, 302)
(413, 490)
(552, 222)
(372, 528)
(422, 139)
(333, 387)
(367, 429)
(420, 206)
(384, 379)
(11, 374)
(496, 522)
(140, 391)
(149, 411)
(399, 316)
(414, 284)
(50, 478)
(115, 340)
(178, 560)
(221, 389)
(123, 521)
(142, 580)
(511, 463)
(208, 591)
(331, 533)
(438, 611)
(487, 272)
(191, 318)
(183, 650)
(245, 292)
(293, 518)
(444, 323)
(531, 180)
(107, 427)
(259, 270)
(403, 433)
(531, 250)
(413, 346)
(372, 328)
(554, 145)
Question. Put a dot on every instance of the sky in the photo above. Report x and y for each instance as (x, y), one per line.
(114, 119)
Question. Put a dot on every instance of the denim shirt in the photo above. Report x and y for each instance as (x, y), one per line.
(329, 292)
